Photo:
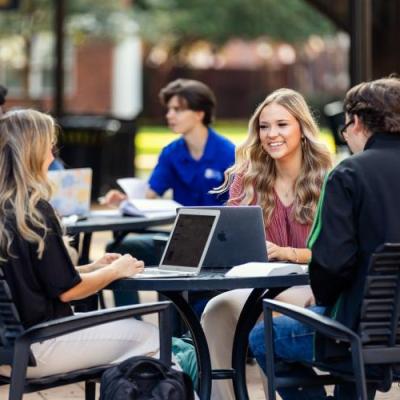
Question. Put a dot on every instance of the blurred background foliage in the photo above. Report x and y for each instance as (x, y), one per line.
(183, 21)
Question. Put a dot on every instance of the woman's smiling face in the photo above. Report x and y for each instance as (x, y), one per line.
(279, 132)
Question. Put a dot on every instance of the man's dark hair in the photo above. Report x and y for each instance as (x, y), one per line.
(377, 104)
(194, 95)
(3, 94)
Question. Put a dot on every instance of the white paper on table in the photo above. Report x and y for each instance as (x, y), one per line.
(105, 213)
(134, 188)
(266, 269)
(148, 207)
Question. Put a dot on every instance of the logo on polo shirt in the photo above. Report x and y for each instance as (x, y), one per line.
(210, 173)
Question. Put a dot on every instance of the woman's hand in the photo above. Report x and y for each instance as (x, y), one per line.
(113, 198)
(91, 282)
(277, 253)
(107, 259)
(102, 262)
(127, 266)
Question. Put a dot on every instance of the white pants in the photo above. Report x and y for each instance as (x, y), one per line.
(103, 344)
(219, 321)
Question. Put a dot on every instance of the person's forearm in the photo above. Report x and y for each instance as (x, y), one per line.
(84, 269)
(300, 256)
(91, 283)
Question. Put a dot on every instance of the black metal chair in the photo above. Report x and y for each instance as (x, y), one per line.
(15, 343)
(376, 342)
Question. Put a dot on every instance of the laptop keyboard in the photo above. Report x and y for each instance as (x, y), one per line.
(155, 272)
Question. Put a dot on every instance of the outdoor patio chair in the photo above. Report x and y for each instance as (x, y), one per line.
(15, 343)
(376, 342)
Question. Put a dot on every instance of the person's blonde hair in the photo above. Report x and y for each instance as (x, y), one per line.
(25, 136)
(258, 169)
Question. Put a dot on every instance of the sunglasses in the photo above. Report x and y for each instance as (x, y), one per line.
(343, 128)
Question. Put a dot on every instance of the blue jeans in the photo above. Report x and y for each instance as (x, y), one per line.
(293, 342)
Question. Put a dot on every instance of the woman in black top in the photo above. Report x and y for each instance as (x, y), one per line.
(36, 264)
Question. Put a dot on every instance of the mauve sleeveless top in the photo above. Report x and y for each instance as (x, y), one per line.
(283, 230)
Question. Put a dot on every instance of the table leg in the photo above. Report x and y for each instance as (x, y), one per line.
(199, 339)
(248, 318)
(84, 256)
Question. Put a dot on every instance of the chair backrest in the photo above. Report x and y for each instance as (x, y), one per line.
(379, 327)
(10, 324)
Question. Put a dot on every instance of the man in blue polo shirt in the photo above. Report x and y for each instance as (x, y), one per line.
(195, 163)
(191, 166)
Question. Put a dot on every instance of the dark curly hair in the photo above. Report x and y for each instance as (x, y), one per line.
(377, 104)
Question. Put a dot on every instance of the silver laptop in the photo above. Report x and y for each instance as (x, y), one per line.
(71, 191)
(187, 244)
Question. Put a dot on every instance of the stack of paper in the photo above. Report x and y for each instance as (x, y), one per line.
(266, 269)
(138, 206)
(134, 188)
(148, 207)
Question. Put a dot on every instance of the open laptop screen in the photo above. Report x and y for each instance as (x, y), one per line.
(71, 191)
(188, 240)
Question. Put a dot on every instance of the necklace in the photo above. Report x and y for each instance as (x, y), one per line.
(284, 191)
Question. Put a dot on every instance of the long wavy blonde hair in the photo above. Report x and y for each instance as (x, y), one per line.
(258, 169)
(25, 136)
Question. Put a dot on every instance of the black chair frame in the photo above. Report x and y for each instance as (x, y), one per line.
(17, 353)
(375, 342)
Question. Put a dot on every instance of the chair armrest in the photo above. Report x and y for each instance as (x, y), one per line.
(320, 323)
(62, 326)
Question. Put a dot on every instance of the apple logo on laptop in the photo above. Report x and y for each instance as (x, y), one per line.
(221, 236)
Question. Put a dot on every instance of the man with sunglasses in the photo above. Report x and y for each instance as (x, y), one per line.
(358, 212)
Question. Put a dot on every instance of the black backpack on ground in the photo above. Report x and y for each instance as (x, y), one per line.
(145, 378)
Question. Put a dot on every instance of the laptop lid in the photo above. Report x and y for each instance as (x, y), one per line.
(239, 237)
(189, 240)
(71, 191)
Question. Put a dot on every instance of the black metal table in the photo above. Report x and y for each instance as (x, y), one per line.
(173, 288)
(99, 221)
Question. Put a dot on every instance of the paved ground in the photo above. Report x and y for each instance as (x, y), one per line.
(73, 392)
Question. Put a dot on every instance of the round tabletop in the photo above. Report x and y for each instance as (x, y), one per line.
(210, 281)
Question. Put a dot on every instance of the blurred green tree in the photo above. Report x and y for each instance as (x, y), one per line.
(181, 22)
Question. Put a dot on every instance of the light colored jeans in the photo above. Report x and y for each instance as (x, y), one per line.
(219, 321)
(102, 344)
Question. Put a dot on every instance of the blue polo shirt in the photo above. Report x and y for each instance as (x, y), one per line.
(191, 179)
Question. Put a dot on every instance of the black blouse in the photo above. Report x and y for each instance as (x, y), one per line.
(36, 284)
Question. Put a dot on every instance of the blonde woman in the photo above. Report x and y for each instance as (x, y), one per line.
(281, 167)
(36, 264)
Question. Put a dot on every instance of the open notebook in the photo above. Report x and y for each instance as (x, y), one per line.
(266, 269)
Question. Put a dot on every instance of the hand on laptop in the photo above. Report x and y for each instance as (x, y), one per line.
(107, 259)
(102, 262)
(127, 266)
(277, 253)
(113, 198)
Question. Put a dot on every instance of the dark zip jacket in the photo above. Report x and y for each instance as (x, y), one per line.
(359, 210)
